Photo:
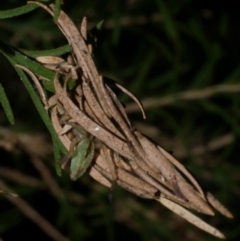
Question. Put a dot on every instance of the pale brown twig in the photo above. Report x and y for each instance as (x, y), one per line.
(46, 176)
(16, 176)
(189, 95)
(41, 222)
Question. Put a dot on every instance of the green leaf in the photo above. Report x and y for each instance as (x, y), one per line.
(96, 35)
(57, 156)
(21, 59)
(15, 57)
(40, 108)
(6, 105)
(71, 84)
(17, 11)
(47, 82)
(58, 146)
(50, 52)
(99, 25)
(34, 66)
(57, 10)
(168, 19)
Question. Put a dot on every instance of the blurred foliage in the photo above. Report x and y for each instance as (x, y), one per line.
(155, 49)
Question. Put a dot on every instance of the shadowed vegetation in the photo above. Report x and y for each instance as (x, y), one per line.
(182, 61)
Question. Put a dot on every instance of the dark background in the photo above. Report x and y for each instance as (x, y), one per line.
(156, 49)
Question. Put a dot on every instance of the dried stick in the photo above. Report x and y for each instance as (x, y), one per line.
(186, 95)
(41, 222)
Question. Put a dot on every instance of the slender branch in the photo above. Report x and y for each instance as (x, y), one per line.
(40, 221)
(189, 95)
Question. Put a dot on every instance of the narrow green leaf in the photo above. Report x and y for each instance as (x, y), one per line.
(16, 57)
(57, 10)
(48, 85)
(96, 35)
(39, 108)
(22, 59)
(57, 144)
(6, 105)
(99, 25)
(17, 11)
(168, 20)
(143, 71)
(48, 74)
(50, 52)
(57, 156)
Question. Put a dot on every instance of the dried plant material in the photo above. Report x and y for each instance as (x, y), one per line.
(218, 206)
(96, 175)
(124, 156)
(191, 217)
(182, 169)
(83, 28)
(110, 159)
(58, 128)
(89, 125)
(160, 162)
(37, 83)
(3, 192)
(101, 115)
(59, 65)
(185, 95)
(51, 62)
(126, 179)
(124, 90)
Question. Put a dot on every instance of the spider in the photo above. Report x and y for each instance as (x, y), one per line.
(81, 152)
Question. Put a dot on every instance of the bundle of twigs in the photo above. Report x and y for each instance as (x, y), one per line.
(124, 156)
